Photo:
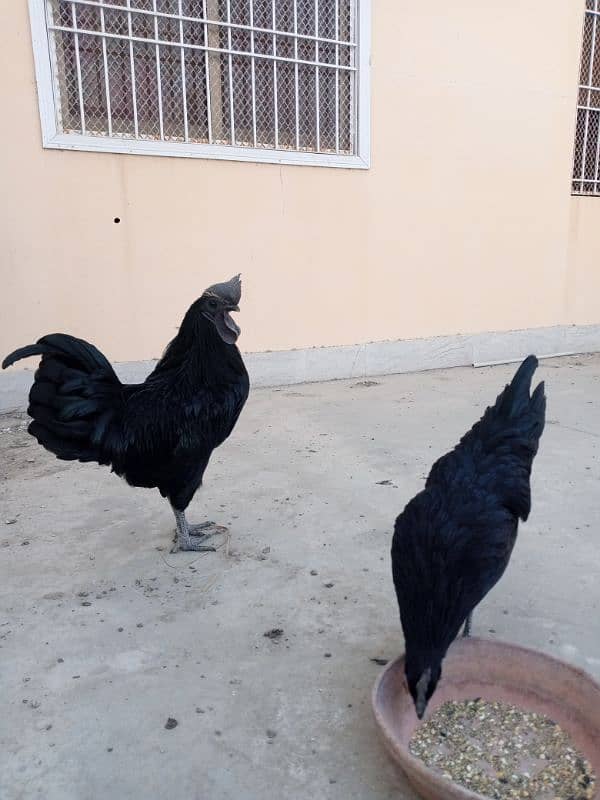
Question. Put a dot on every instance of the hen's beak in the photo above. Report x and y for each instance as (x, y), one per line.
(422, 686)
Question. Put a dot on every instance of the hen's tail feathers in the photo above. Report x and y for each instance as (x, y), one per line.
(515, 398)
(509, 432)
(74, 398)
(516, 412)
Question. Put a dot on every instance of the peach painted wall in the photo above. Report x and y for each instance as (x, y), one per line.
(464, 223)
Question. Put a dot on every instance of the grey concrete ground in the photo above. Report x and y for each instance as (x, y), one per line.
(105, 635)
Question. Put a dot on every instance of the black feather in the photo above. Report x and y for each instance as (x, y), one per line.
(24, 352)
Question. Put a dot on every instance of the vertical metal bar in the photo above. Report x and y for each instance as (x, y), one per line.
(78, 65)
(207, 72)
(337, 77)
(183, 83)
(212, 12)
(317, 79)
(132, 68)
(595, 176)
(275, 106)
(352, 77)
(59, 70)
(106, 83)
(589, 100)
(158, 78)
(253, 72)
(596, 184)
(230, 60)
(296, 89)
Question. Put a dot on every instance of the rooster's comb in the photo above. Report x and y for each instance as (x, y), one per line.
(231, 291)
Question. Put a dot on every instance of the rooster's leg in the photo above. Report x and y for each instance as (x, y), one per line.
(185, 532)
(467, 628)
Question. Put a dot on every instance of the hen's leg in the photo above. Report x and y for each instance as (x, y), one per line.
(184, 540)
(467, 628)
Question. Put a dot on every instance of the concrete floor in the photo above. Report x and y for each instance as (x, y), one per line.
(105, 635)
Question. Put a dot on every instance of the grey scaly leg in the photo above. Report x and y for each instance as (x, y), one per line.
(184, 535)
(467, 628)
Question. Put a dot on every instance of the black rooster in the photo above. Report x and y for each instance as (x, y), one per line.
(159, 433)
(453, 540)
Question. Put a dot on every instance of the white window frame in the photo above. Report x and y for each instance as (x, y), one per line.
(53, 138)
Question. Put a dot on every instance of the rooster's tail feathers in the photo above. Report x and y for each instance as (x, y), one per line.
(74, 397)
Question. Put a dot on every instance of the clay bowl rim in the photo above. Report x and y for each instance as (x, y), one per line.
(401, 754)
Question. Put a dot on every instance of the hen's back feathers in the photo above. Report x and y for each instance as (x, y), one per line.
(75, 397)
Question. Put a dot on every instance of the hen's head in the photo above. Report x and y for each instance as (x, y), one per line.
(422, 683)
(216, 304)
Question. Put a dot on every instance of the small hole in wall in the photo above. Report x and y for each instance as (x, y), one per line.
(116, 220)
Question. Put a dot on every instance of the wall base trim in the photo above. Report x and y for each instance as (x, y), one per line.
(285, 367)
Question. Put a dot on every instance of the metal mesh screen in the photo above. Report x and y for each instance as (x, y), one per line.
(586, 166)
(277, 74)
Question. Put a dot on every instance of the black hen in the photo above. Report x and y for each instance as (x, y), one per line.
(453, 540)
(159, 433)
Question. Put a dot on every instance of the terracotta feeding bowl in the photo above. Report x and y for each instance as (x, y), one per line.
(494, 671)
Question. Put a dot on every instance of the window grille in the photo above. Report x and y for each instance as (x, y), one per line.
(586, 167)
(256, 79)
